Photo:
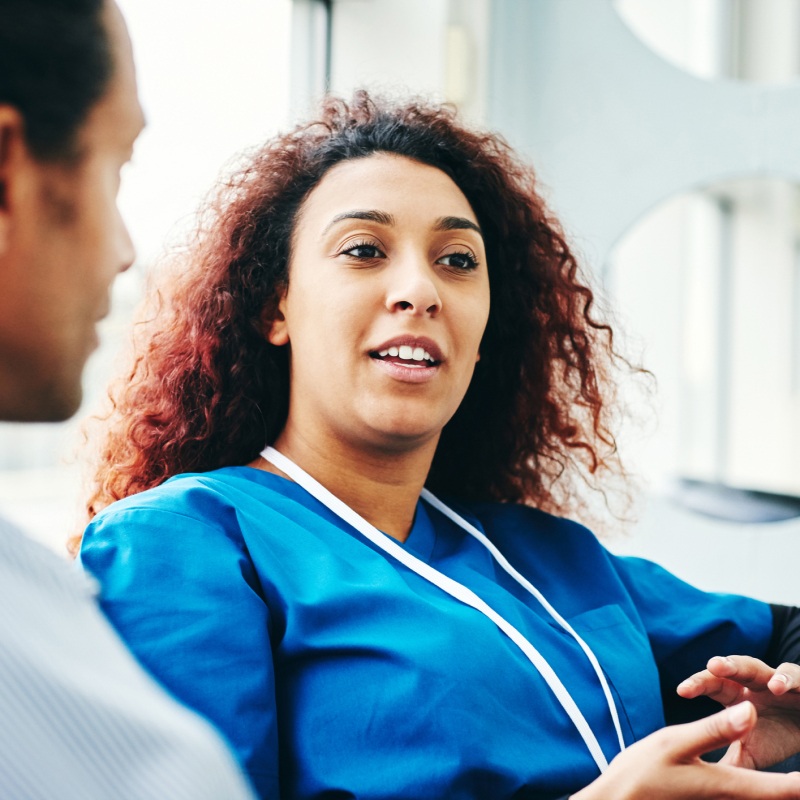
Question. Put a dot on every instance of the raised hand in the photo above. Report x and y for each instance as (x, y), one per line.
(666, 766)
(774, 692)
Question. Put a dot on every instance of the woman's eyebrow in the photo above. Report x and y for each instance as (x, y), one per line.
(456, 224)
(380, 217)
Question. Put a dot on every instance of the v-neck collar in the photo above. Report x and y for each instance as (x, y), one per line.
(421, 539)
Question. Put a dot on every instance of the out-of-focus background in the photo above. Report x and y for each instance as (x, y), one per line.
(666, 134)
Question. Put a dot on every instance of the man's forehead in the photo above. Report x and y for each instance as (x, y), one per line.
(117, 119)
(124, 66)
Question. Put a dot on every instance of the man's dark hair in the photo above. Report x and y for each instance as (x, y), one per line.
(55, 64)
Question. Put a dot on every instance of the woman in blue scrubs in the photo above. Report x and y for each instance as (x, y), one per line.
(383, 602)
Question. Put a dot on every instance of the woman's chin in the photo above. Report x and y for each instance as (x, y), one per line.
(403, 433)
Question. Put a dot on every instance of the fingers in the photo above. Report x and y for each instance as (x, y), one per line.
(746, 784)
(725, 677)
(687, 742)
(723, 672)
(786, 679)
(724, 691)
(745, 670)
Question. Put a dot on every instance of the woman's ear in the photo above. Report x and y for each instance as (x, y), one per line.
(273, 323)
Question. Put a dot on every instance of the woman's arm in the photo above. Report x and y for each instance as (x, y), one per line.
(784, 644)
(183, 593)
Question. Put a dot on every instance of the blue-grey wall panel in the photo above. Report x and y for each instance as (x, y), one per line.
(614, 129)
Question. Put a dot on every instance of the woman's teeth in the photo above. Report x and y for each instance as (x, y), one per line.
(407, 353)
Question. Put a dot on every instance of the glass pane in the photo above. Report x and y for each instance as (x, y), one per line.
(752, 40)
(708, 287)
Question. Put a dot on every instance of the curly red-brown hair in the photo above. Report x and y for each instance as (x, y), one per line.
(207, 390)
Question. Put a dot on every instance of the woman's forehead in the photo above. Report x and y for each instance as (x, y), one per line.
(394, 185)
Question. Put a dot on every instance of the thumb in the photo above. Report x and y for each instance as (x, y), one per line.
(696, 738)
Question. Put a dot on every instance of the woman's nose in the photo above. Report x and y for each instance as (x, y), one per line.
(413, 288)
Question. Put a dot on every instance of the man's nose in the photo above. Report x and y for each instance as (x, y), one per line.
(127, 252)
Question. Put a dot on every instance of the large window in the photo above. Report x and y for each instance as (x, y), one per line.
(709, 287)
(312, 25)
(751, 40)
(708, 282)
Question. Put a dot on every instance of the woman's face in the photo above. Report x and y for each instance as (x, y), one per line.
(387, 302)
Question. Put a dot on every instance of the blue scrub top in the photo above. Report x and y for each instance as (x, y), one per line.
(335, 671)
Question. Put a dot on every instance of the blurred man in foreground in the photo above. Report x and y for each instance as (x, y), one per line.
(79, 718)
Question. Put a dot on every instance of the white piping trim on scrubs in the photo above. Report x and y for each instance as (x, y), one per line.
(523, 581)
(465, 595)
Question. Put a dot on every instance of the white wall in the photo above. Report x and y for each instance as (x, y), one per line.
(213, 79)
(438, 48)
(385, 44)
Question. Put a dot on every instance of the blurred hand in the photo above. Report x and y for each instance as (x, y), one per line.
(666, 766)
(774, 692)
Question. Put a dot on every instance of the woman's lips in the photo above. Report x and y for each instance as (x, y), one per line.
(407, 371)
(406, 345)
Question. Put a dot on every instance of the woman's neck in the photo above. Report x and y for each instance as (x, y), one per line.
(383, 487)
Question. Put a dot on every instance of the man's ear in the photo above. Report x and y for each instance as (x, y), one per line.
(273, 322)
(12, 150)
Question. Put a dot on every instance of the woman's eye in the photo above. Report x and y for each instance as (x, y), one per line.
(363, 251)
(459, 260)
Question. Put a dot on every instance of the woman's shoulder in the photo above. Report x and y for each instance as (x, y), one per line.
(205, 509)
(205, 497)
(218, 509)
(176, 523)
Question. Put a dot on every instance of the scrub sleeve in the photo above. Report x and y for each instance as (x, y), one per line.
(198, 622)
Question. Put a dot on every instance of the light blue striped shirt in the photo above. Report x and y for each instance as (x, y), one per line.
(79, 718)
